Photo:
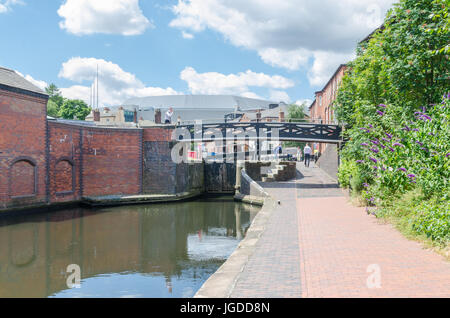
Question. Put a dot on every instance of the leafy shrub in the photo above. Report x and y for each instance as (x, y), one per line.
(433, 220)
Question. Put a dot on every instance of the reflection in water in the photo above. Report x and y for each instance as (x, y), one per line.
(137, 251)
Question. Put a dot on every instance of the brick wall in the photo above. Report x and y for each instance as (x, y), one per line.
(23, 148)
(87, 161)
(161, 174)
(64, 162)
(112, 161)
(322, 109)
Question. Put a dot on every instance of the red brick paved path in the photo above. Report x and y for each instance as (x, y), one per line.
(337, 245)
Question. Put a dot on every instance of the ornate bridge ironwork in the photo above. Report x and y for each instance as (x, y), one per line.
(303, 132)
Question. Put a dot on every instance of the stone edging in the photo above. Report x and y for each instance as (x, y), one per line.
(223, 281)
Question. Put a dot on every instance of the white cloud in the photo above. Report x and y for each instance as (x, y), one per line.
(5, 5)
(291, 60)
(251, 95)
(38, 83)
(115, 84)
(103, 16)
(279, 96)
(325, 64)
(234, 84)
(286, 33)
(186, 35)
(306, 102)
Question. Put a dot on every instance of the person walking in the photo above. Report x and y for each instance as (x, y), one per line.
(307, 152)
(168, 117)
(316, 155)
(299, 154)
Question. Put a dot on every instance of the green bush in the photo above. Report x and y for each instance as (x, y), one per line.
(433, 220)
(397, 124)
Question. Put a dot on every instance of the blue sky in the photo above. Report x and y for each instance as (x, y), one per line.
(272, 49)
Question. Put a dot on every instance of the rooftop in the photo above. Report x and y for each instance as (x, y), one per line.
(12, 80)
(224, 102)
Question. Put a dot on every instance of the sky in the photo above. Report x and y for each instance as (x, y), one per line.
(278, 50)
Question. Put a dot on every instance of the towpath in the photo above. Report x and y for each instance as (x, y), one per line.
(317, 244)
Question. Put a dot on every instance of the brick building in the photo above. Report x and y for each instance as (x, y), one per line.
(321, 110)
(23, 141)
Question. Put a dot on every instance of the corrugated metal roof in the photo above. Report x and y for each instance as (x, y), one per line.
(225, 102)
(12, 79)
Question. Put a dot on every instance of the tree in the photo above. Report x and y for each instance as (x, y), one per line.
(52, 109)
(74, 108)
(55, 100)
(296, 112)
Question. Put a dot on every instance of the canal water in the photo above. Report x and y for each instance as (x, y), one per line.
(163, 250)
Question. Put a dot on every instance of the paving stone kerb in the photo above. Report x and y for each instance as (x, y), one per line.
(222, 282)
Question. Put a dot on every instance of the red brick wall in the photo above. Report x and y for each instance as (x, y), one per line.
(22, 149)
(323, 110)
(81, 161)
(87, 161)
(112, 161)
(157, 134)
(64, 162)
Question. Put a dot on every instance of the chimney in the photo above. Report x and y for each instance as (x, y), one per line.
(158, 116)
(135, 117)
(258, 116)
(281, 117)
(96, 115)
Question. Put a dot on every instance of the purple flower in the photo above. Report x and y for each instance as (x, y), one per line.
(365, 130)
(383, 168)
(365, 185)
(392, 149)
(375, 150)
(419, 143)
(380, 113)
(398, 145)
(411, 176)
(370, 126)
(359, 161)
(382, 105)
(447, 155)
(388, 135)
(415, 129)
(425, 117)
(382, 146)
(375, 142)
(406, 128)
(375, 167)
(424, 149)
(402, 169)
(384, 139)
(364, 144)
(373, 159)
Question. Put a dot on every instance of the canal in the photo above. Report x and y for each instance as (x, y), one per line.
(163, 250)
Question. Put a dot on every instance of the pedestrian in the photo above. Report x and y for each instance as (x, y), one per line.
(307, 152)
(299, 154)
(316, 155)
(168, 117)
